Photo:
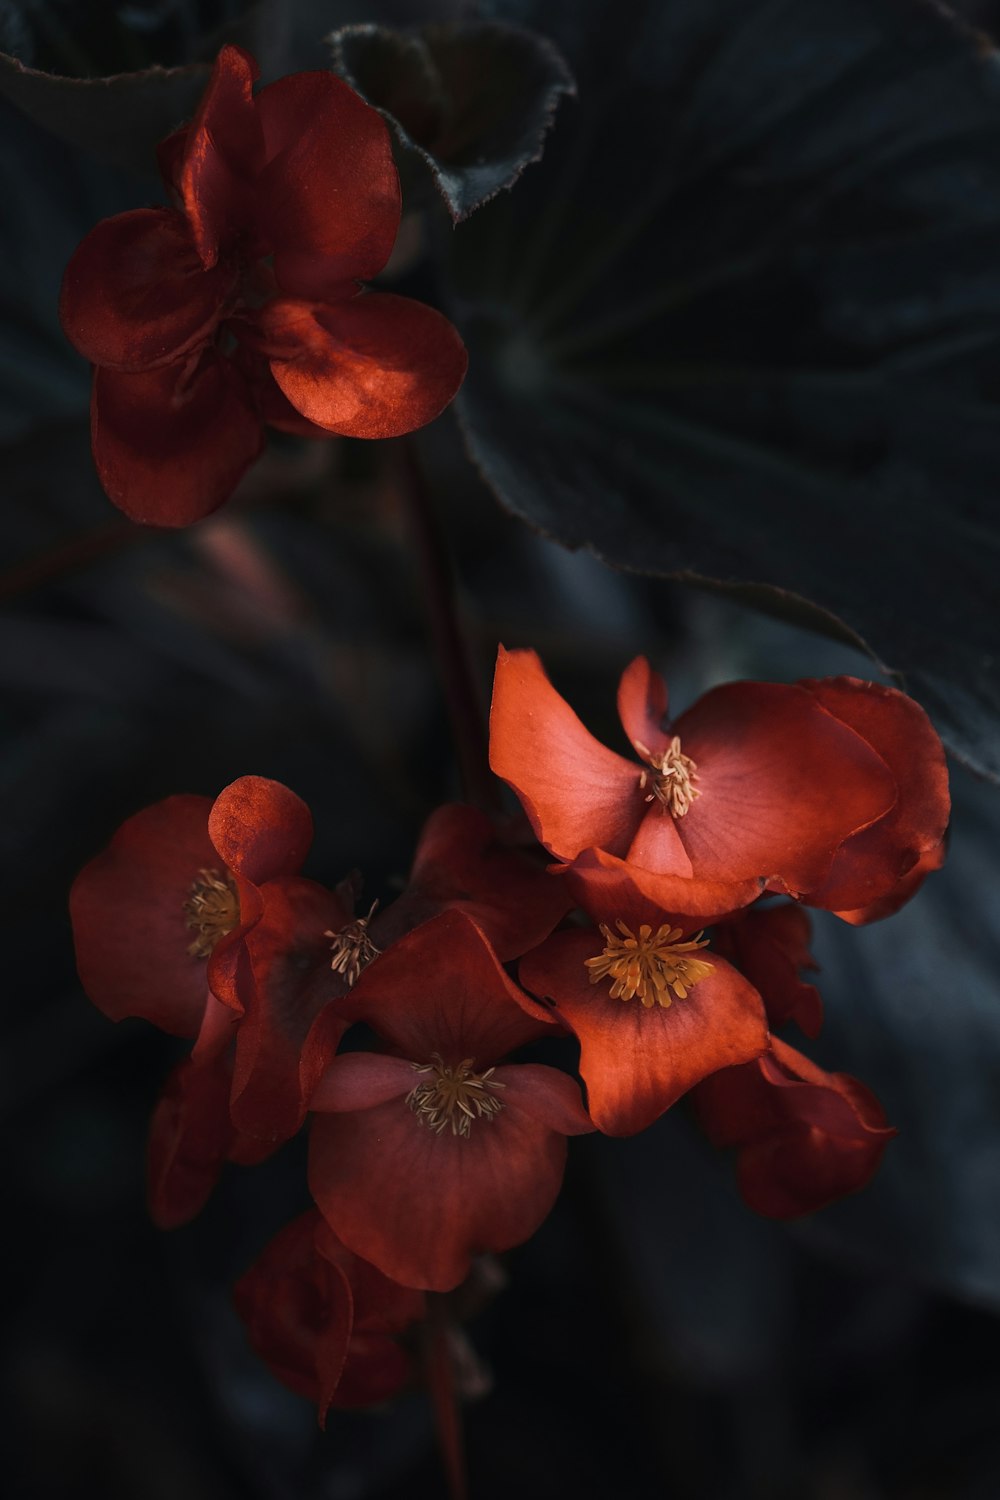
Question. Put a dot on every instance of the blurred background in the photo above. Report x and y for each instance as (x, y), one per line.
(654, 1337)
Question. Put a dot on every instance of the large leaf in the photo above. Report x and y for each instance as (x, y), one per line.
(474, 100)
(742, 323)
(119, 119)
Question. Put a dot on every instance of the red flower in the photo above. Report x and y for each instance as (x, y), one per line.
(324, 1320)
(654, 1010)
(242, 306)
(165, 922)
(423, 1158)
(805, 1137)
(770, 945)
(879, 868)
(736, 792)
(460, 864)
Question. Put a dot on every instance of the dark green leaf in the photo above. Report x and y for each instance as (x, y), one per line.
(119, 119)
(473, 99)
(742, 324)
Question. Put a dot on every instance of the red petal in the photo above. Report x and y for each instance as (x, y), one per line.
(770, 946)
(441, 989)
(420, 1205)
(298, 1308)
(872, 864)
(375, 366)
(658, 847)
(361, 1080)
(577, 794)
(905, 888)
(642, 708)
(607, 887)
(172, 444)
(223, 151)
(328, 201)
(291, 981)
(767, 757)
(135, 293)
(636, 1062)
(189, 1139)
(260, 829)
(460, 862)
(129, 925)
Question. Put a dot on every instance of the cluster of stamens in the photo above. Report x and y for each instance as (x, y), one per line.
(670, 779)
(211, 910)
(352, 949)
(452, 1097)
(652, 966)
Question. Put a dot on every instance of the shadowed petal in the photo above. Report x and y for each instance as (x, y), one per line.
(172, 444)
(136, 295)
(642, 708)
(129, 924)
(223, 149)
(260, 828)
(328, 202)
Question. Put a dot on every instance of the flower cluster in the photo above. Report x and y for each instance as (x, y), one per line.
(432, 1139)
(241, 305)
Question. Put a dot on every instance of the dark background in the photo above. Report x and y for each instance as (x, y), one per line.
(654, 1337)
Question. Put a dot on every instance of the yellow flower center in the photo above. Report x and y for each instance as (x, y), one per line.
(653, 965)
(352, 949)
(670, 779)
(454, 1097)
(211, 910)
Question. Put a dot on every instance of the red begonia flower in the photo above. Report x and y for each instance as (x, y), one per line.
(804, 1137)
(324, 1320)
(423, 1158)
(653, 1009)
(879, 868)
(196, 316)
(736, 790)
(165, 923)
(191, 1137)
(770, 945)
(461, 864)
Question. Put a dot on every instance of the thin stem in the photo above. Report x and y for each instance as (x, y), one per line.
(465, 706)
(440, 1369)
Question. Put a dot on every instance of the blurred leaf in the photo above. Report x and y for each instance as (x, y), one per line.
(742, 324)
(914, 1012)
(473, 99)
(118, 119)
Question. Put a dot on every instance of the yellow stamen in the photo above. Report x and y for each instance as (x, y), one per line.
(454, 1097)
(352, 949)
(649, 966)
(671, 779)
(211, 910)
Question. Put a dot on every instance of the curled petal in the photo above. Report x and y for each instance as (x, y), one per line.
(374, 366)
(638, 1061)
(905, 887)
(223, 150)
(172, 444)
(136, 295)
(189, 1139)
(360, 1080)
(770, 945)
(129, 922)
(260, 828)
(642, 708)
(607, 888)
(328, 201)
(576, 792)
(782, 784)
(872, 868)
(441, 988)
